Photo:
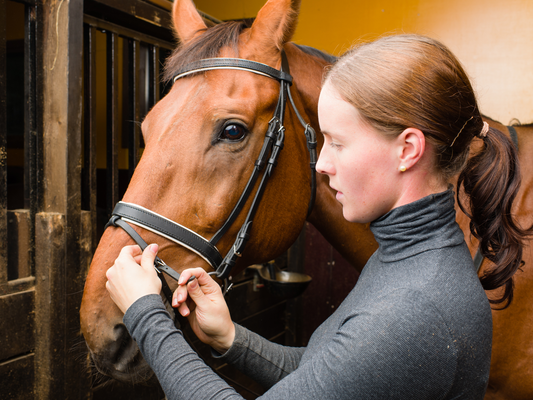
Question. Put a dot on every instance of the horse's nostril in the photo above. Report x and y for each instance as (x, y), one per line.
(121, 359)
(125, 349)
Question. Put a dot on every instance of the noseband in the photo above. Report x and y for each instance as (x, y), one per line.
(127, 214)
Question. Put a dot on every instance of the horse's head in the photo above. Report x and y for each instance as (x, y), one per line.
(202, 140)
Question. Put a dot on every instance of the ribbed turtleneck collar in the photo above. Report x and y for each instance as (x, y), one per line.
(425, 224)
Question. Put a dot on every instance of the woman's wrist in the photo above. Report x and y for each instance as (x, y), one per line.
(223, 344)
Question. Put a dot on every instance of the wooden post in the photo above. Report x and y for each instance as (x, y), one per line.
(50, 324)
(60, 272)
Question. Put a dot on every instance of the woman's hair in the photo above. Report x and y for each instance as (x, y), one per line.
(403, 81)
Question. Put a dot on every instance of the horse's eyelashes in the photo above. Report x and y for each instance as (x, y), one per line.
(233, 132)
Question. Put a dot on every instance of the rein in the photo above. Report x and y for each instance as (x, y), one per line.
(126, 214)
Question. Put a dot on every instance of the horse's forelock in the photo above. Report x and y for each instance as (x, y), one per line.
(207, 45)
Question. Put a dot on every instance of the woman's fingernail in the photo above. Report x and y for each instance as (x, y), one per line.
(179, 298)
(174, 302)
(193, 284)
(153, 248)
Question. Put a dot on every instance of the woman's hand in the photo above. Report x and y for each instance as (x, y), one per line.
(206, 309)
(127, 281)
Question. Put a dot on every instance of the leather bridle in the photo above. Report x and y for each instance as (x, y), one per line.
(127, 214)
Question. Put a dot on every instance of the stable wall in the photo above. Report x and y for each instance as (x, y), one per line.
(492, 38)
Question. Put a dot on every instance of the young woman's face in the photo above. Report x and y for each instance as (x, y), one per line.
(362, 164)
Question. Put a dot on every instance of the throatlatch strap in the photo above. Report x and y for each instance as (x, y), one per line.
(514, 135)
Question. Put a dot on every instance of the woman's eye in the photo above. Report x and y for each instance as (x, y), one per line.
(233, 132)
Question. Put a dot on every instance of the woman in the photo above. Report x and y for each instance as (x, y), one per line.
(398, 116)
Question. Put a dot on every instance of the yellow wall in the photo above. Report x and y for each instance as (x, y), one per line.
(493, 38)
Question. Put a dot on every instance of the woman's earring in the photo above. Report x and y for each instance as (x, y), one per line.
(402, 168)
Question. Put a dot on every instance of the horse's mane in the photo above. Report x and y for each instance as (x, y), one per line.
(513, 122)
(317, 53)
(210, 43)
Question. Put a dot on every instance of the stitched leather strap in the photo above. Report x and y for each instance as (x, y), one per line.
(514, 135)
(147, 219)
(209, 64)
(160, 266)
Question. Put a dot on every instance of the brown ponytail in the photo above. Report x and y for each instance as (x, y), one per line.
(403, 81)
(491, 179)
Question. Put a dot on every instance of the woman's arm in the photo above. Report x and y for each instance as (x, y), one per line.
(398, 352)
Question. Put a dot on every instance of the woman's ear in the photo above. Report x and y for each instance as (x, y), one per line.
(411, 147)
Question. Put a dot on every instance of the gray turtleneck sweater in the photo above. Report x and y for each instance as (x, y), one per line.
(417, 325)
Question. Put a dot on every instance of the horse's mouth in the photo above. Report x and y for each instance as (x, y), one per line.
(134, 373)
(122, 361)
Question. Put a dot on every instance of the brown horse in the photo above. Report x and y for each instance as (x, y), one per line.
(192, 174)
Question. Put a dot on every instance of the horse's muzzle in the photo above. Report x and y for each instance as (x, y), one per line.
(121, 359)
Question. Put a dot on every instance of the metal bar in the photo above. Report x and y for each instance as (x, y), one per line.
(27, 2)
(89, 188)
(130, 33)
(166, 4)
(112, 121)
(154, 76)
(140, 9)
(136, 72)
(3, 142)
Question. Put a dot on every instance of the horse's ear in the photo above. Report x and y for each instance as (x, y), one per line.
(275, 24)
(187, 21)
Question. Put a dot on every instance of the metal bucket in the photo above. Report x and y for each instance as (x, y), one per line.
(284, 284)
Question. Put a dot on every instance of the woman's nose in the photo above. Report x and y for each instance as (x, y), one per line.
(323, 166)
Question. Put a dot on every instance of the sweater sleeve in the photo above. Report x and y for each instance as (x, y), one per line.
(180, 371)
(395, 352)
(260, 359)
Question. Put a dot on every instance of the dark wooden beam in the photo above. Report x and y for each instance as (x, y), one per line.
(3, 142)
(89, 128)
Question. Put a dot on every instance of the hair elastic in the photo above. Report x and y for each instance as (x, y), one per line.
(484, 130)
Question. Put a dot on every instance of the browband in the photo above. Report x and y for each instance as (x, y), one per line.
(209, 64)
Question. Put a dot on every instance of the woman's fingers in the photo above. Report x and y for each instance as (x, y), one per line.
(148, 257)
(207, 284)
(131, 251)
(128, 281)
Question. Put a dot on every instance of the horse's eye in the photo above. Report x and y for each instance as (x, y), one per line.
(233, 132)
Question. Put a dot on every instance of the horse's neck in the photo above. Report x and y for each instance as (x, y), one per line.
(354, 242)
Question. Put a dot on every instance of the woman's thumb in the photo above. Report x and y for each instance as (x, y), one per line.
(195, 292)
(148, 257)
